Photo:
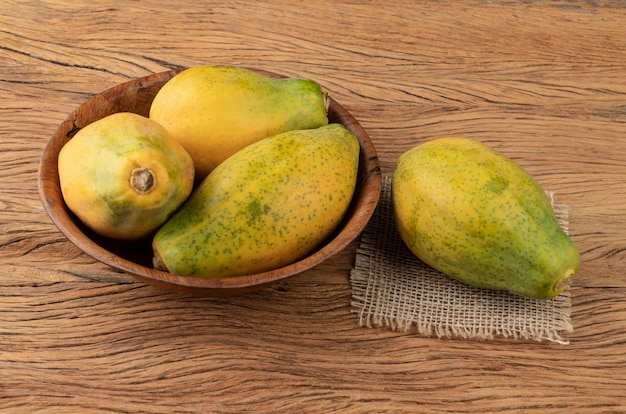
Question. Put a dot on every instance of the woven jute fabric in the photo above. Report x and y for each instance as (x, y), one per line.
(392, 287)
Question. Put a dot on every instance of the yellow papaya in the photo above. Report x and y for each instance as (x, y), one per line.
(266, 206)
(474, 214)
(216, 110)
(124, 175)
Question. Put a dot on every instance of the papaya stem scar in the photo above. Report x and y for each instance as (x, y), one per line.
(142, 180)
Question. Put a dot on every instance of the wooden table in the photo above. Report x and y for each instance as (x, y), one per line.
(542, 81)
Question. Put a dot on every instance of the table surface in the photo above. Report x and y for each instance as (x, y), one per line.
(542, 81)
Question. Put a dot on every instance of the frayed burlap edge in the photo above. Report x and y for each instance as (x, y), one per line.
(391, 287)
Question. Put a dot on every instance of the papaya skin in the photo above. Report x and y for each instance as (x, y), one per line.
(216, 110)
(266, 206)
(475, 215)
(124, 175)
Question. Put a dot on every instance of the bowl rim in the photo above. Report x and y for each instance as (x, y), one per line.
(61, 216)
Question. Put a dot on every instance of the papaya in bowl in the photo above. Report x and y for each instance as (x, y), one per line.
(135, 257)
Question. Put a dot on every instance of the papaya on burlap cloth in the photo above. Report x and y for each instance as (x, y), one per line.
(392, 287)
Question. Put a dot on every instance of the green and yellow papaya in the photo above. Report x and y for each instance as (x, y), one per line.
(124, 175)
(266, 206)
(216, 110)
(472, 213)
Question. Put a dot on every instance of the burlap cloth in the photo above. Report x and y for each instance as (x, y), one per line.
(392, 287)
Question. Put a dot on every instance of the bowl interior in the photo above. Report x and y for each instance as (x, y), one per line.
(135, 257)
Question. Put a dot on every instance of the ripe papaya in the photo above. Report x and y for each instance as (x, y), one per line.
(266, 206)
(474, 214)
(216, 110)
(124, 175)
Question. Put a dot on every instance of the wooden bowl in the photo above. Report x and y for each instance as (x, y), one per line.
(135, 257)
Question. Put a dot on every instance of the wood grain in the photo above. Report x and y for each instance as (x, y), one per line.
(541, 81)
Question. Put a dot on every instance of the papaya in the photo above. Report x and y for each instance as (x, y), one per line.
(475, 215)
(124, 175)
(268, 205)
(216, 110)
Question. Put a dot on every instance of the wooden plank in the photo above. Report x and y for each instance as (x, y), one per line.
(119, 346)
